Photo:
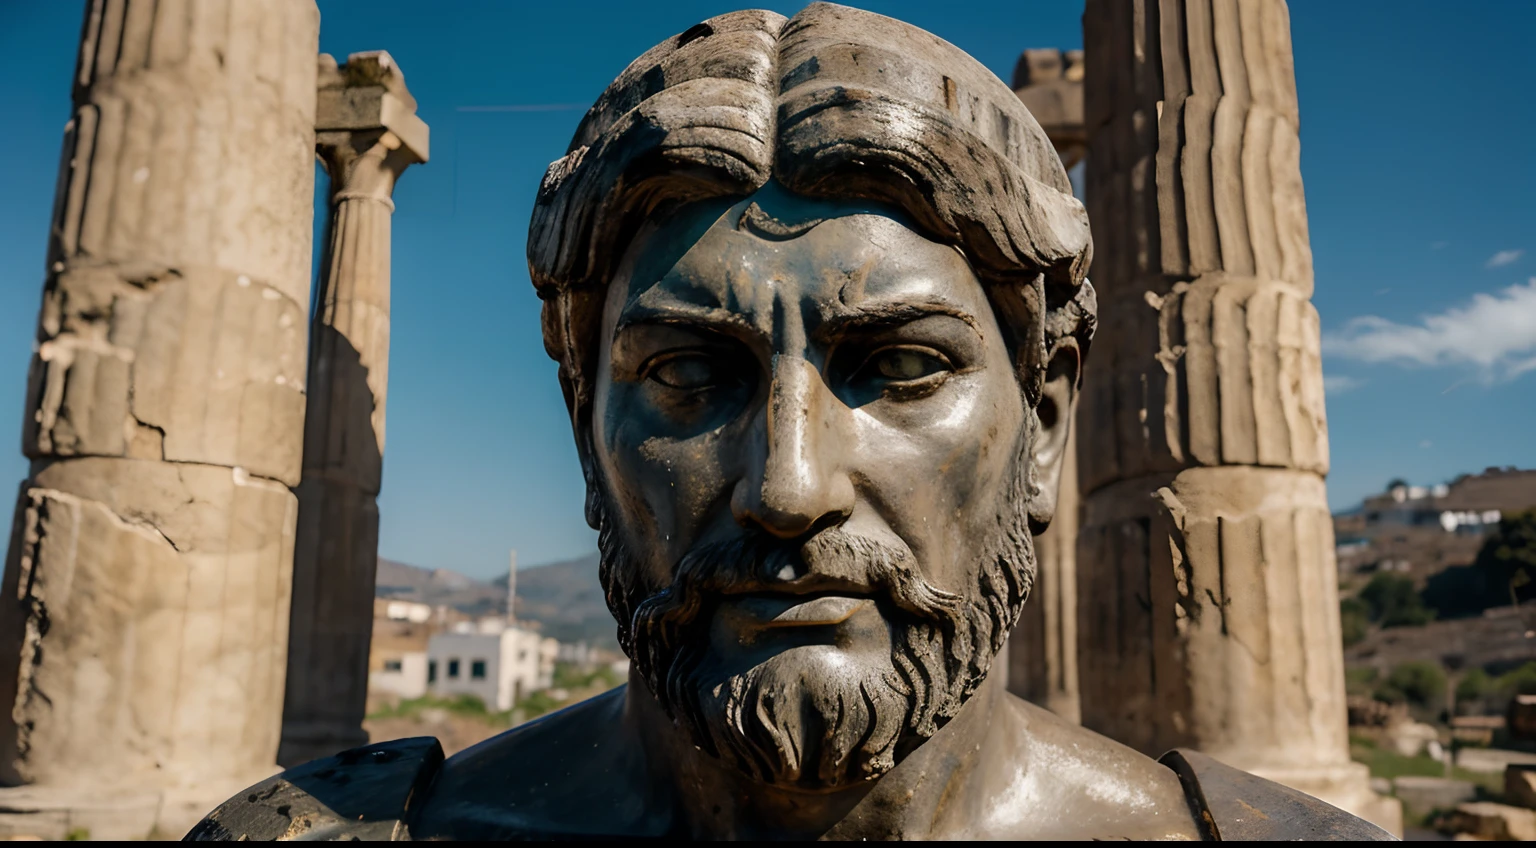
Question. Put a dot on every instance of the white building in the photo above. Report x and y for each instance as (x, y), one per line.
(397, 652)
(497, 663)
(412, 611)
(578, 654)
(1472, 504)
(404, 675)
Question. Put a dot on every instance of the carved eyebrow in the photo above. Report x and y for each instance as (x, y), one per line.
(892, 315)
(727, 322)
(712, 318)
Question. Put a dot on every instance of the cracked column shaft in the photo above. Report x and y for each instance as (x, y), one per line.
(145, 613)
(1208, 597)
(368, 134)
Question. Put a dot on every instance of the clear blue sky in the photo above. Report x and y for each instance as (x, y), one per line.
(1418, 132)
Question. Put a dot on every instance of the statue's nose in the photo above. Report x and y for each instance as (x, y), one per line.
(795, 481)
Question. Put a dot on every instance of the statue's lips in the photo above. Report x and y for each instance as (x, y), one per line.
(783, 610)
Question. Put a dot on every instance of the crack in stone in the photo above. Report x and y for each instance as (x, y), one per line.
(143, 528)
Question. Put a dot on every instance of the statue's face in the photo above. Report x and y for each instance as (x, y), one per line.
(811, 441)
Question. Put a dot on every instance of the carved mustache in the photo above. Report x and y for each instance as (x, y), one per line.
(832, 560)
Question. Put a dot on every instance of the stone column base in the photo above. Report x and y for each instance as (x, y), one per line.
(1347, 787)
(52, 814)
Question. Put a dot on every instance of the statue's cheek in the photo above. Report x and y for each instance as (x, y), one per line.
(668, 486)
(934, 469)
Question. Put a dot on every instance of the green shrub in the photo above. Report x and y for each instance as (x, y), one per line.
(1354, 620)
(1391, 601)
(1502, 574)
(1474, 685)
(570, 676)
(1510, 551)
(1416, 682)
(463, 705)
(1359, 681)
(535, 705)
(1521, 681)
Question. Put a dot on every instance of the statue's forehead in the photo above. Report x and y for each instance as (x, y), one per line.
(746, 257)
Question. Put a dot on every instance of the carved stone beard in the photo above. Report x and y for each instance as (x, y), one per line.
(786, 721)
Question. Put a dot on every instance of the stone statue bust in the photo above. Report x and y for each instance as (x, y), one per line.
(816, 291)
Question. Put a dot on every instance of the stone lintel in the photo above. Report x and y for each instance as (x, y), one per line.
(1050, 84)
(368, 93)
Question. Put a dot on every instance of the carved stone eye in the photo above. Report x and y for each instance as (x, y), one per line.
(906, 364)
(687, 372)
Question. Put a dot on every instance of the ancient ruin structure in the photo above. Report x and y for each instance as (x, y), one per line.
(779, 369)
(368, 134)
(1050, 85)
(1042, 654)
(146, 586)
(1206, 580)
(146, 631)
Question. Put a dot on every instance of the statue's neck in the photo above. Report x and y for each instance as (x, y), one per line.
(715, 801)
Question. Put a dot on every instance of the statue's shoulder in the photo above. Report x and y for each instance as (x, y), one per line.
(366, 793)
(561, 776)
(1080, 784)
(1234, 805)
(573, 774)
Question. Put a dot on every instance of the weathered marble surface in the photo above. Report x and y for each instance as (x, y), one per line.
(143, 634)
(1207, 591)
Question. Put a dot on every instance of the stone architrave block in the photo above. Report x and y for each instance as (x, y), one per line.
(368, 93)
(1498, 822)
(1426, 793)
(1050, 84)
(1520, 784)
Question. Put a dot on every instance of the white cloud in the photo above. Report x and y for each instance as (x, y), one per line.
(1517, 368)
(1495, 332)
(1438, 245)
(1504, 257)
(1338, 384)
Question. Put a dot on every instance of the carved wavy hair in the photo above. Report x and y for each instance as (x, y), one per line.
(834, 102)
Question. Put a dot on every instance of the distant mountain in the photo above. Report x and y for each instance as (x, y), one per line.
(565, 598)
(439, 587)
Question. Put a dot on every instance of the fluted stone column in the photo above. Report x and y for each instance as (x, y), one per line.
(144, 609)
(368, 135)
(1209, 611)
(1042, 652)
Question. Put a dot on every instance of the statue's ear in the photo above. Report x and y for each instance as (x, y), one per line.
(1058, 400)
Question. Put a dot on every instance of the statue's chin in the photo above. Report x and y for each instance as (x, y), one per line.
(812, 718)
